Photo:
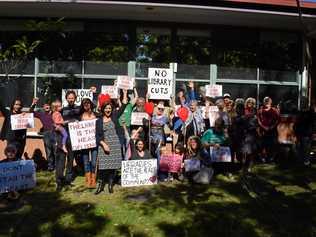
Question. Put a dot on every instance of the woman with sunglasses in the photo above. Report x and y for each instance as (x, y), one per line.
(15, 137)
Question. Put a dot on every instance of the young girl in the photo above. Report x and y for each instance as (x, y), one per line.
(59, 122)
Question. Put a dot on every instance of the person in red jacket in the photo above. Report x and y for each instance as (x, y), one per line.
(268, 119)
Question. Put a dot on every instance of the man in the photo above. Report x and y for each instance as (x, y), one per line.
(268, 119)
(71, 113)
(45, 117)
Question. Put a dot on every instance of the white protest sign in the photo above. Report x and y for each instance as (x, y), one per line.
(137, 118)
(221, 154)
(139, 172)
(81, 94)
(112, 91)
(17, 175)
(125, 82)
(192, 165)
(214, 90)
(160, 83)
(82, 134)
(22, 121)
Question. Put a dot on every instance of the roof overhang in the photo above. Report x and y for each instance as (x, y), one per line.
(160, 12)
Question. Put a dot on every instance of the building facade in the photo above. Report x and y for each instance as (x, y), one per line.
(253, 48)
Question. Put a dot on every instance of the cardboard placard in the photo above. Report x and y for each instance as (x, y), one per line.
(221, 154)
(214, 90)
(17, 175)
(112, 91)
(125, 82)
(82, 134)
(192, 165)
(139, 172)
(81, 94)
(160, 83)
(137, 118)
(22, 121)
(171, 163)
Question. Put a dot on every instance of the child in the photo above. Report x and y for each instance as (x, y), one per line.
(59, 122)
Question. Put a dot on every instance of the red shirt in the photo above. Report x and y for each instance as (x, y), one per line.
(268, 118)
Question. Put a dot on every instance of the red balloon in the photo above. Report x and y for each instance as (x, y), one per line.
(149, 108)
(183, 113)
(104, 98)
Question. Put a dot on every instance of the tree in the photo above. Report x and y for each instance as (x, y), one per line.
(15, 56)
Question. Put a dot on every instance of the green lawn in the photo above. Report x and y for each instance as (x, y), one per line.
(272, 202)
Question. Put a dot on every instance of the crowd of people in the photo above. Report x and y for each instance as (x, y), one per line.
(183, 125)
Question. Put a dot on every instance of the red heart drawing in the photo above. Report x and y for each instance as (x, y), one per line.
(153, 179)
(149, 107)
(183, 113)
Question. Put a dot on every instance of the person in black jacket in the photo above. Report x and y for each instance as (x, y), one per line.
(15, 137)
(70, 113)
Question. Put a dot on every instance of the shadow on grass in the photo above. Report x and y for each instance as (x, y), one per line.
(48, 213)
(249, 207)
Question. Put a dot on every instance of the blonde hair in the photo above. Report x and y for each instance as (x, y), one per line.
(250, 100)
(55, 104)
(198, 141)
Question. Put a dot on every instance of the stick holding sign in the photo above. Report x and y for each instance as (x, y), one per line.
(22, 121)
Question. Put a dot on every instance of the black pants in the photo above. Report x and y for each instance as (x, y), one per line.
(60, 166)
(107, 175)
(49, 143)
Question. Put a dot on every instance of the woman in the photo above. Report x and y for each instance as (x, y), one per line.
(15, 137)
(249, 137)
(110, 156)
(89, 156)
(194, 157)
(139, 150)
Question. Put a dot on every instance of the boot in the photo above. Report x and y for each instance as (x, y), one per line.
(93, 180)
(100, 188)
(110, 186)
(87, 179)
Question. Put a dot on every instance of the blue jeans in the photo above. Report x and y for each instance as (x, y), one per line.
(90, 163)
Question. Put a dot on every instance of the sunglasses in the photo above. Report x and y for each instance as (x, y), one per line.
(161, 109)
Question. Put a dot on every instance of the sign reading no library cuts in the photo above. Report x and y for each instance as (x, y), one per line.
(160, 83)
(82, 134)
(17, 175)
(22, 121)
(139, 172)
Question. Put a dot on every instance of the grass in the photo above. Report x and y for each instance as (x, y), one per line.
(272, 202)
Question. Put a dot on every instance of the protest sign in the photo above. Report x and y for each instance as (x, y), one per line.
(125, 82)
(192, 165)
(213, 90)
(17, 175)
(137, 118)
(82, 134)
(22, 121)
(160, 83)
(170, 163)
(139, 172)
(112, 91)
(221, 154)
(81, 94)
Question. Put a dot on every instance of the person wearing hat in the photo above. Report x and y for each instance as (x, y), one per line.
(227, 99)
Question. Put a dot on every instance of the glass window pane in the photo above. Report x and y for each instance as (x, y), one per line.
(272, 75)
(279, 93)
(193, 71)
(22, 87)
(240, 90)
(142, 68)
(98, 83)
(105, 68)
(236, 73)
